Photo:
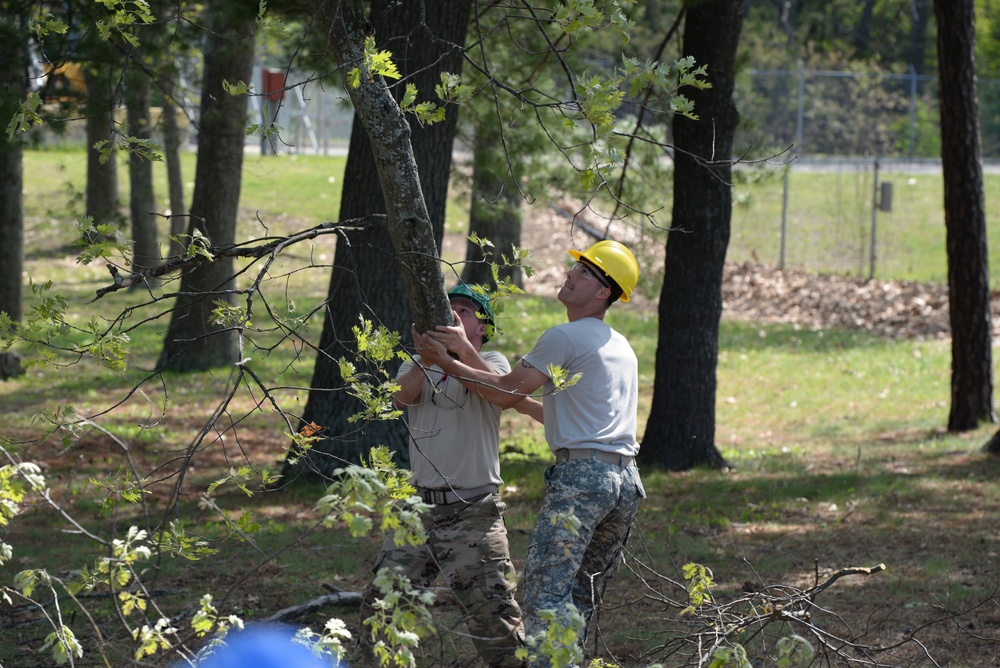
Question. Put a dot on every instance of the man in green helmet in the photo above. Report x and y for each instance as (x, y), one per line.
(590, 427)
(455, 458)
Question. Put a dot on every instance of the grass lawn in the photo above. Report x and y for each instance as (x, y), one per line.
(836, 440)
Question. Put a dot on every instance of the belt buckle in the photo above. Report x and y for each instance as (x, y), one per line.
(436, 496)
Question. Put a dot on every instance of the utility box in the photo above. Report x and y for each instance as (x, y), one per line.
(885, 197)
(273, 84)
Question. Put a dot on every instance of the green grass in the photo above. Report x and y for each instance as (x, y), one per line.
(303, 187)
(836, 437)
(829, 223)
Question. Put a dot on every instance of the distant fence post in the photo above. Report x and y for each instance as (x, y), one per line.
(784, 215)
(871, 256)
(913, 110)
(799, 113)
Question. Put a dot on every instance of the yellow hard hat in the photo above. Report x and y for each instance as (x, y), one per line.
(616, 261)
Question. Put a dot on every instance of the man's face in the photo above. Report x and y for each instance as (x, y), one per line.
(582, 283)
(467, 313)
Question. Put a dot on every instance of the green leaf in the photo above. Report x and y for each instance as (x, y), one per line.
(63, 645)
(238, 88)
(380, 62)
(409, 96)
(111, 350)
(44, 24)
(25, 116)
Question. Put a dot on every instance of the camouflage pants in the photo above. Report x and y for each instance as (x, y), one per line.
(563, 566)
(467, 545)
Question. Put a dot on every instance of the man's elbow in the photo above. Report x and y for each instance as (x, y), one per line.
(506, 401)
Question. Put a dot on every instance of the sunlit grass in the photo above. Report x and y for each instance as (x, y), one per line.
(829, 219)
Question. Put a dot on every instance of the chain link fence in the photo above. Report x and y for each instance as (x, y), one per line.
(842, 170)
(850, 181)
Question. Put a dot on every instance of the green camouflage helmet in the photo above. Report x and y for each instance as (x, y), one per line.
(481, 298)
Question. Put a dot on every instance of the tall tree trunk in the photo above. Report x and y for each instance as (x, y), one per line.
(173, 139)
(101, 199)
(863, 31)
(495, 212)
(921, 10)
(193, 342)
(142, 202)
(168, 69)
(377, 180)
(964, 217)
(13, 89)
(680, 431)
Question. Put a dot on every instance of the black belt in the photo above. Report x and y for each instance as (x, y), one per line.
(446, 497)
(566, 454)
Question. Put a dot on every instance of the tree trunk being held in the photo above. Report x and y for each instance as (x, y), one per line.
(965, 218)
(680, 432)
(402, 170)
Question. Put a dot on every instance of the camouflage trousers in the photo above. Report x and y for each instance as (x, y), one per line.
(564, 566)
(467, 545)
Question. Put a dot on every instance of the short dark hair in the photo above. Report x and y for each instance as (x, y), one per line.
(610, 283)
(616, 291)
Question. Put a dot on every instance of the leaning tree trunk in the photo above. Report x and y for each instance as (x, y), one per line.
(399, 169)
(680, 432)
(193, 342)
(964, 217)
(495, 213)
(142, 203)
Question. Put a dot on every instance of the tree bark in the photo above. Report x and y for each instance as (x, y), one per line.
(863, 31)
(964, 217)
(142, 202)
(168, 77)
(680, 431)
(101, 199)
(401, 169)
(193, 342)
(173, 139)
(918, 35)
(494, 214)
(13, 89)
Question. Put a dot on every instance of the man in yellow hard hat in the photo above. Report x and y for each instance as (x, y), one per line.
(590, 427)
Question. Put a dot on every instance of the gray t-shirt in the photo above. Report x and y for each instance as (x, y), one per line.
(454, 433)
(599, 411)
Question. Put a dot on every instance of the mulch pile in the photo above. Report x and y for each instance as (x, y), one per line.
(757, 292)
(893, 309)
